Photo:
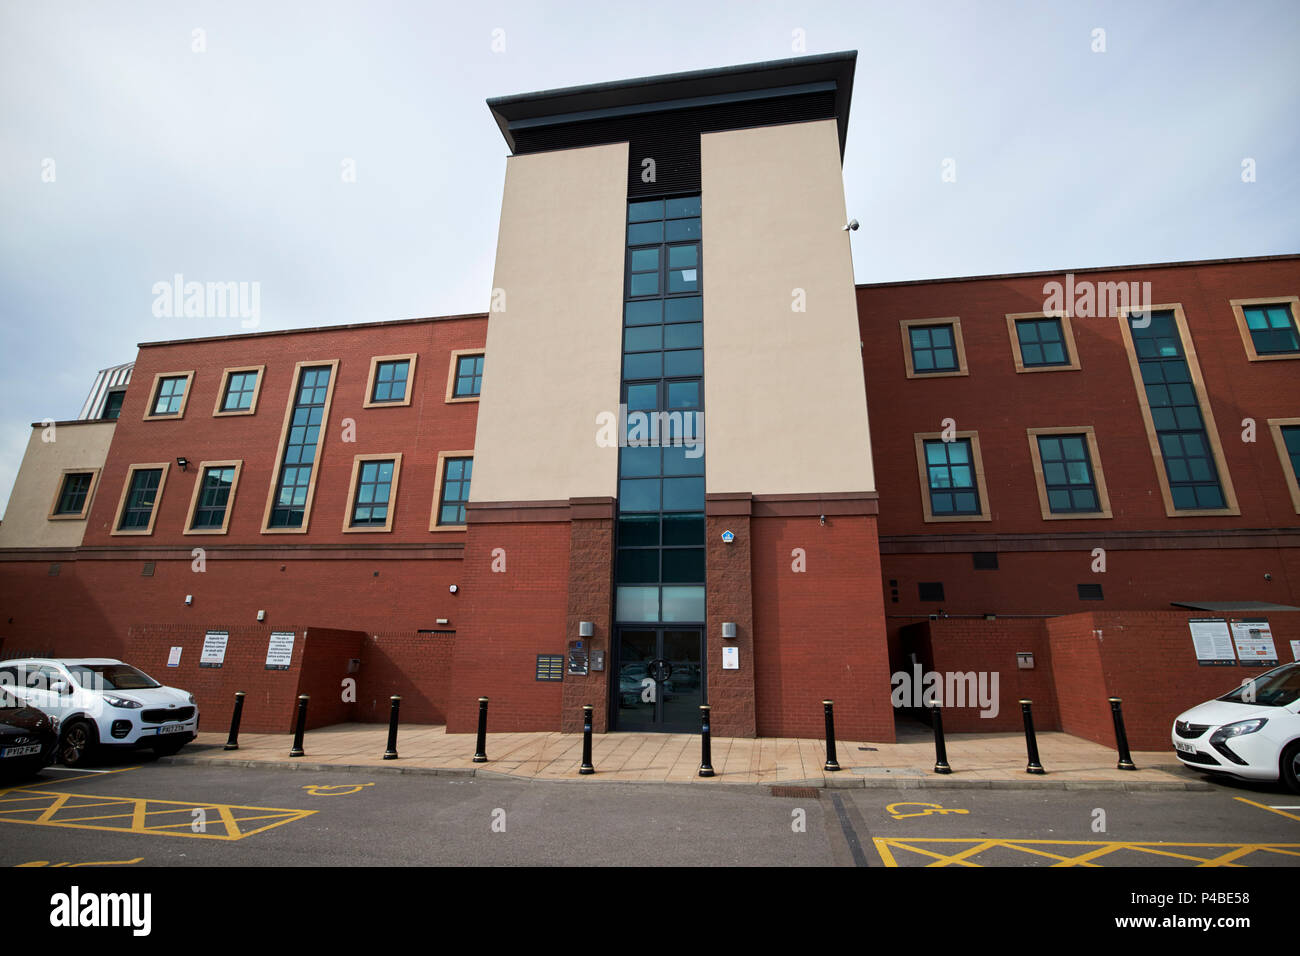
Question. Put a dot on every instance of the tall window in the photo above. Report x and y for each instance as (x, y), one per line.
(1176, 413)
(300, 449)
(141, 497)
(659, 565)
(1067, 474)
(454, 494)
(213, 499)
(72, 496)
(950, 474)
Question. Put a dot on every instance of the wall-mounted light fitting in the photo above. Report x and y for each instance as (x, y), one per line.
(261, 615)
(586, 629)
(729, 629)
(183, 462)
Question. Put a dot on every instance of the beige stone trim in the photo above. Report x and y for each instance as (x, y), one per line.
(238, 465)
(906, 324)
(374, 370)
(456, 356)
(1067, 333)
(1203, 400)
(295, 382)
(1239, 313)
(225, 380)
(58, 494)
(437, 490)
(149, 416)
(157, 501)
(1275, 425)
(1098, 479)
(396, 459)
(923, 471)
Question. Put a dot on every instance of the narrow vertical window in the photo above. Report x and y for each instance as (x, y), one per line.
(295, 478)
(454, 492)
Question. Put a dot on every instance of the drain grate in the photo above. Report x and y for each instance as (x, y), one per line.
(810, 793)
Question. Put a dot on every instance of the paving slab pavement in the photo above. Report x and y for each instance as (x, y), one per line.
(992, 761)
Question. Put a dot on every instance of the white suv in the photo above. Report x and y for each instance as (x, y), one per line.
(1252, 732)
(103, 702)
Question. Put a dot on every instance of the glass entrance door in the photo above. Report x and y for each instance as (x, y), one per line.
(660, 679)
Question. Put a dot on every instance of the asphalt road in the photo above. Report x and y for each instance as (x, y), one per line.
(158, 814)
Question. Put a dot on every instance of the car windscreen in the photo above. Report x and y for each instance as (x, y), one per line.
(1278, 688)
(111, 677)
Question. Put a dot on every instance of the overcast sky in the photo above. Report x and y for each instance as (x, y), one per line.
(223, 155)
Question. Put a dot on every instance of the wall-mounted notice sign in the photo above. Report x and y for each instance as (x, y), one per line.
(279, 652)
(174, 657)
(731, 658)
(214, 648)
(1295, 650)
(1254, 641)
(1213, 641)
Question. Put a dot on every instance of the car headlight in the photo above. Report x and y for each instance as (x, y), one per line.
(1228, 731)
(1219, 739)
(126, 703)
(191, 697)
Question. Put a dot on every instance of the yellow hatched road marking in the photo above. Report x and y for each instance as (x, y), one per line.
(1263, 806)
(142, 815)
(1089, 850)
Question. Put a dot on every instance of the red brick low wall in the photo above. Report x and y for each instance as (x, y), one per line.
(415, 666)
(1145, 658)
(964, 645)
(319, 664)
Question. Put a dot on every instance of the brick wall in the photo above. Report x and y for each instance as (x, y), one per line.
(732, 693)
(415, 666)
(510, 617)
(819, 633)
(964, 645)
(1147, 660)
(590, 598)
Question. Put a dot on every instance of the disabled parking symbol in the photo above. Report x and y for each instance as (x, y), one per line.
(895, 810)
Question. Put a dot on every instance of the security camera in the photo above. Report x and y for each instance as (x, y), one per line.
(853, 225)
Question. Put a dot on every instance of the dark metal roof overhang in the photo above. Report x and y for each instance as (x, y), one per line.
(1234, 607)
(751, 83)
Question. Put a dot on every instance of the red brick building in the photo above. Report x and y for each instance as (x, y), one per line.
(1064, 466)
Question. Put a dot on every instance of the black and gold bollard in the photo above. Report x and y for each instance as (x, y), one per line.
(586, 767)
(300, 728)
(1121, 738)
(940, 747)
(232, 742)
(391, 752)
(831, 762)
(480, 751)
(706, 751)
(1031, 741)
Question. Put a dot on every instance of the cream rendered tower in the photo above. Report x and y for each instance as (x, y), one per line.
(672, 441)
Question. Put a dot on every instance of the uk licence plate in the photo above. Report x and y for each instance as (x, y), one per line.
(170, 729)
(27, 751)
(1184, 748)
